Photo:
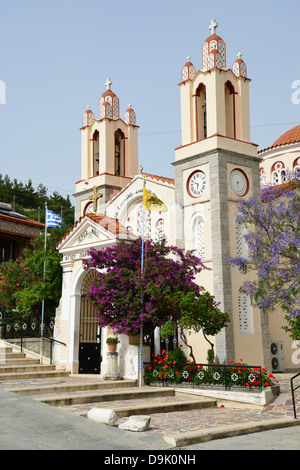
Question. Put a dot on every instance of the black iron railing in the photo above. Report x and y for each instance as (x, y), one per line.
(227, 376)
(22, 333)
(293, 389)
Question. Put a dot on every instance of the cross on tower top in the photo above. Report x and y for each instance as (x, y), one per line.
(213, 26)
(239, 55)
(108, 83)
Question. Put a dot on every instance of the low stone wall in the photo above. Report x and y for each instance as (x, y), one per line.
(263, 398)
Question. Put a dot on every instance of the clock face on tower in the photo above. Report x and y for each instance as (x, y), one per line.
(196, 183)
(238, 182)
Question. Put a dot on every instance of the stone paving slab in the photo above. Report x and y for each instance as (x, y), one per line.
(162, 424)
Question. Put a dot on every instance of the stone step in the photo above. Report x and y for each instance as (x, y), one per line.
(164, 407)
(102, 397)
(5, 349)
(21, 361)
(79, 386)
(140, 407)
(5, 369)
(11, 355)
(33, 375)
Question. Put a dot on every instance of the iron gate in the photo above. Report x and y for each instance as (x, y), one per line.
(90, 332)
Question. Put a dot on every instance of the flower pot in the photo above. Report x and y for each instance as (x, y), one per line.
(112, 347)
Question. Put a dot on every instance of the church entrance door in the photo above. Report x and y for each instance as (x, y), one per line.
(90, 332)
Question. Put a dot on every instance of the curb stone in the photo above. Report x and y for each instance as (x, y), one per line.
(220, 432)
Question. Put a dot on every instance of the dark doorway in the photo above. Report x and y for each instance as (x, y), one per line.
(90, 332)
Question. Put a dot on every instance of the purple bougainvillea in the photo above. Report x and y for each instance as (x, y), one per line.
(127, 298)
(273, 240)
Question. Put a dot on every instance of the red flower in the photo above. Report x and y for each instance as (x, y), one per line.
(166, 366)
(181, 346)
(164, 351)
(267, 384)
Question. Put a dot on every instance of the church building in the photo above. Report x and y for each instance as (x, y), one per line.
(215, 166)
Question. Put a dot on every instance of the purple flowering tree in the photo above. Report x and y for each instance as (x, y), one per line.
(127, 298)
(274, 251)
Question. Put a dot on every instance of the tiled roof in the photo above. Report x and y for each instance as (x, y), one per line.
(159, 178)
(23, 221)
(108, 223)
(290, 137)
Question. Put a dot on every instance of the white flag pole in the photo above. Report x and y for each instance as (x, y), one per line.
(44, 273)
(142, 298)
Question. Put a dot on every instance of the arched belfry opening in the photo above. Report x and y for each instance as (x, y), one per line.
(96, 158)
(201, 112)
(90, 332)
(119, 153)
(230, 110)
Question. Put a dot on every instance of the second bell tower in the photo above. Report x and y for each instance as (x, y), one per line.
(216, 165)
(109, 153)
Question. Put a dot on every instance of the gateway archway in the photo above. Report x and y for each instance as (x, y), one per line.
(89, 332)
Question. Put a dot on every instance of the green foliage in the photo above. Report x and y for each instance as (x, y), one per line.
(200, 313)
(23, 286)
(210, 356)
(112, 340)
(167, 329)
(27, 201)
(177, 355)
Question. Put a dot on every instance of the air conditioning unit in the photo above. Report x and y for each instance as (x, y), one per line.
(277, 356)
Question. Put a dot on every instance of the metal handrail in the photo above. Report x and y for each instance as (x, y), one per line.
(293, 394)
(51, 339)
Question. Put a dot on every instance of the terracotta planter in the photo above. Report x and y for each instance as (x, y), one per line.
(112, 347)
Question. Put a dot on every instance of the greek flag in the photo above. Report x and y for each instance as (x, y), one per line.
(53, 220)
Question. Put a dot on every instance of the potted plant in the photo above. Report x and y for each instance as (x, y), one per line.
(112, 343)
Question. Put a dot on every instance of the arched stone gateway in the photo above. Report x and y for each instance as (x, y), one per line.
(90, 332)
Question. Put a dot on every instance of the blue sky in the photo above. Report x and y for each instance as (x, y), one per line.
(56, 55)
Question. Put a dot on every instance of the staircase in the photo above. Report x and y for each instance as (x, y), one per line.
(15, 365)
(79, 393)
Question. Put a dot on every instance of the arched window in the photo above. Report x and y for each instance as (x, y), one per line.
(205, 56)
(198, 227)
(159, 229)
(278, 173)
(245, 313)
(297, 167)
(201, 117)
(96, 157)
(230, 109)
(262, 174)
(147, 222)
(119, 153)
(241, 244)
